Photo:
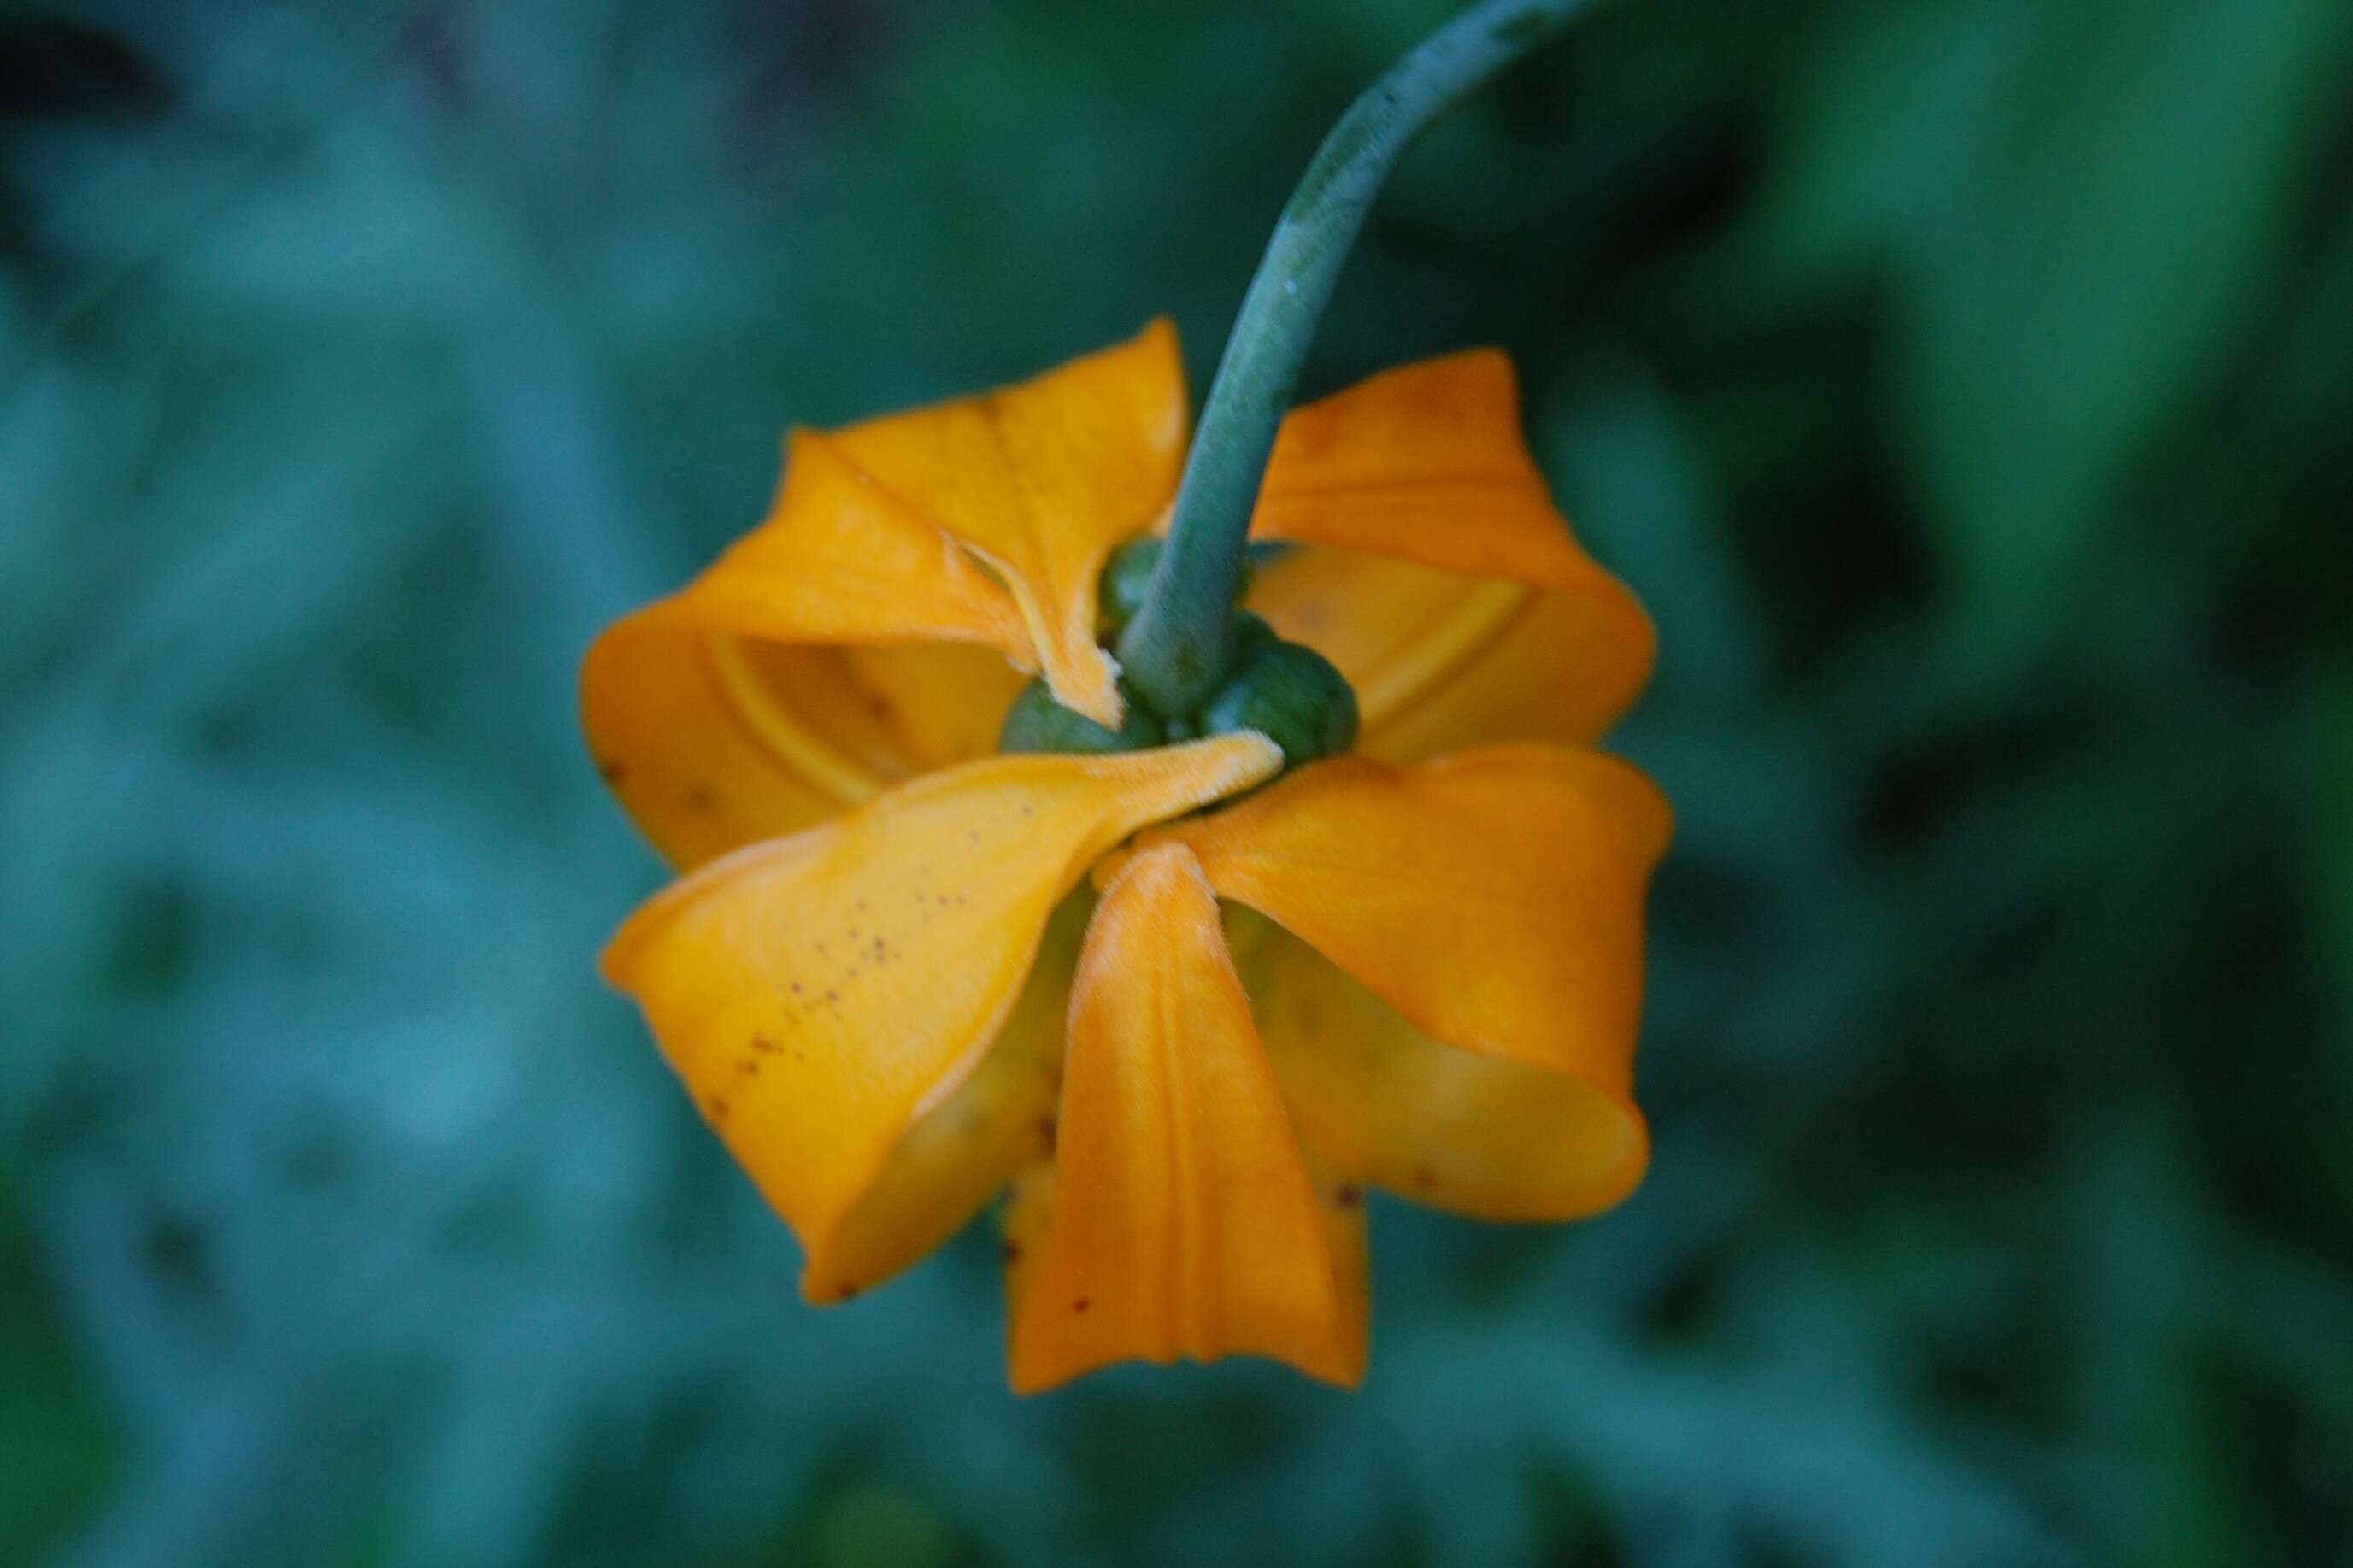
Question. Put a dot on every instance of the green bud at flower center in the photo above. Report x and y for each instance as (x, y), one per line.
(1291, 694)
(1286, 691)
(1035, 722)
(1250, 636)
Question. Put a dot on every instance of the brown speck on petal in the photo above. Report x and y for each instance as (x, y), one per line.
(1009, 1251)
(1348, 1194)
(611, 773)
(1080, 1305)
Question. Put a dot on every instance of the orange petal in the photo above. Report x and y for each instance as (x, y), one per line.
(712, 743)
(841, 559)
(818, 993)
(1425, 466)
(1424, 463)
(1377, 1102)
(719, 721)
(1440, 662)
(961, 1152)
(938, 704)
(1182, 1220)
(1041, 479)
(1494, 900)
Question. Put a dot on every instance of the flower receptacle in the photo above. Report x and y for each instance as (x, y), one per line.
(1035, 722)
(1291, 694)
(1285, 691)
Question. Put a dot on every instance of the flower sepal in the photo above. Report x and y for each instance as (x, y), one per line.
(1036, 724)
(1291, 695)
(1284, 691)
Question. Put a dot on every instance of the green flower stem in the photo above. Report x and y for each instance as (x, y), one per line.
(1176, 649)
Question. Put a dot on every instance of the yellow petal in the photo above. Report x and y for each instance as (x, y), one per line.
(1344, 1227)
(674, 747)
(1442, 662)
(1377, 1102)
(1183, 1221)
(1041, 479)
(712, 743)
(938, 704)
(1433, 544)
(720, 720)
(818, 993)
(1424, 463)
(1494, 900)
(841, 559)
(960, 1154)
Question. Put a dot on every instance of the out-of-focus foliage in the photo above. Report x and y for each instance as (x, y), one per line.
(1964, 383)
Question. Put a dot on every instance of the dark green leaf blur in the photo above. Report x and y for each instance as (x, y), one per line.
(1967, 386)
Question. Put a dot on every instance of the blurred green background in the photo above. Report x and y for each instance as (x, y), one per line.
(1967, 386)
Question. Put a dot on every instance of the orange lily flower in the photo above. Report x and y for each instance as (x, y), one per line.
(894, 989)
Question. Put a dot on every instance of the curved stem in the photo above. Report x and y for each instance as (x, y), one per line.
(1176, 649)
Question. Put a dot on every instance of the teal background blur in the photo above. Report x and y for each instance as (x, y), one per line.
(1966, 385)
